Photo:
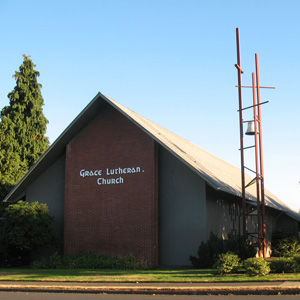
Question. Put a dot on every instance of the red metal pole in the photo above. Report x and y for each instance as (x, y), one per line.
(262, 188)
(257, 169)
(241, 130)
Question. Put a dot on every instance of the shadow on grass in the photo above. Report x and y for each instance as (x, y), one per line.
(43, 273)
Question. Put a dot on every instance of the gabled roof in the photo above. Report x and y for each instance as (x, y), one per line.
(216, 172)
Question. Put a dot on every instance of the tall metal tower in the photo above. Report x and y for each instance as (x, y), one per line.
(255, 129)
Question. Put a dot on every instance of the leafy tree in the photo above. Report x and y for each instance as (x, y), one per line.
(26, 229)
(22, 127)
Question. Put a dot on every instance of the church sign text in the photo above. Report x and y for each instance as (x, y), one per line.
(103, 173)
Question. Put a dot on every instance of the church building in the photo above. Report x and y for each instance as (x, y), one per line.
(119, 184)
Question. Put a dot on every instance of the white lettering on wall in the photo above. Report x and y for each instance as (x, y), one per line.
(122, 171)
(109, 172)
(103, 181)
(84, 173)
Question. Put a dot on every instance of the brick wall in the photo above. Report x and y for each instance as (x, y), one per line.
(113, 209)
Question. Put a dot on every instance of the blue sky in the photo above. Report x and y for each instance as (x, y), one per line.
(171, 61)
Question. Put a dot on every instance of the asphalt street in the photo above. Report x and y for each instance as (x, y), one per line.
(72, 296)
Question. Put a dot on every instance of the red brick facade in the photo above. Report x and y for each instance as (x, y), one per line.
(111, 190)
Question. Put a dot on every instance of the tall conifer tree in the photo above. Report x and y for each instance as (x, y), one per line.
(22, 127)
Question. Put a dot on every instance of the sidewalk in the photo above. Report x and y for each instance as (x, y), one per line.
(234, 288)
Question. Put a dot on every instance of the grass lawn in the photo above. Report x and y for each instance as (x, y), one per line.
(87, 275)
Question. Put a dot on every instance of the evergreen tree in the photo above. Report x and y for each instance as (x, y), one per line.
(11, 167)
(22, 127)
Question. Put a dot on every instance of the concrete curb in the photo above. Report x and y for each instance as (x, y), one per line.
(213, 290)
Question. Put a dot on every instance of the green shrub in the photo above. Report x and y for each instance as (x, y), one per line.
(206, 255)
(285, 265)
(53, 262)
(277, 236)
(227, 263)
(40, 264)
(240, 246)
(208, 251)
(85, 260)
(25, 231)
(89, 260)
(296, 260)
(282, 265)
(285, 244)
(289, 247)
(129, 262)
(256, 266)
